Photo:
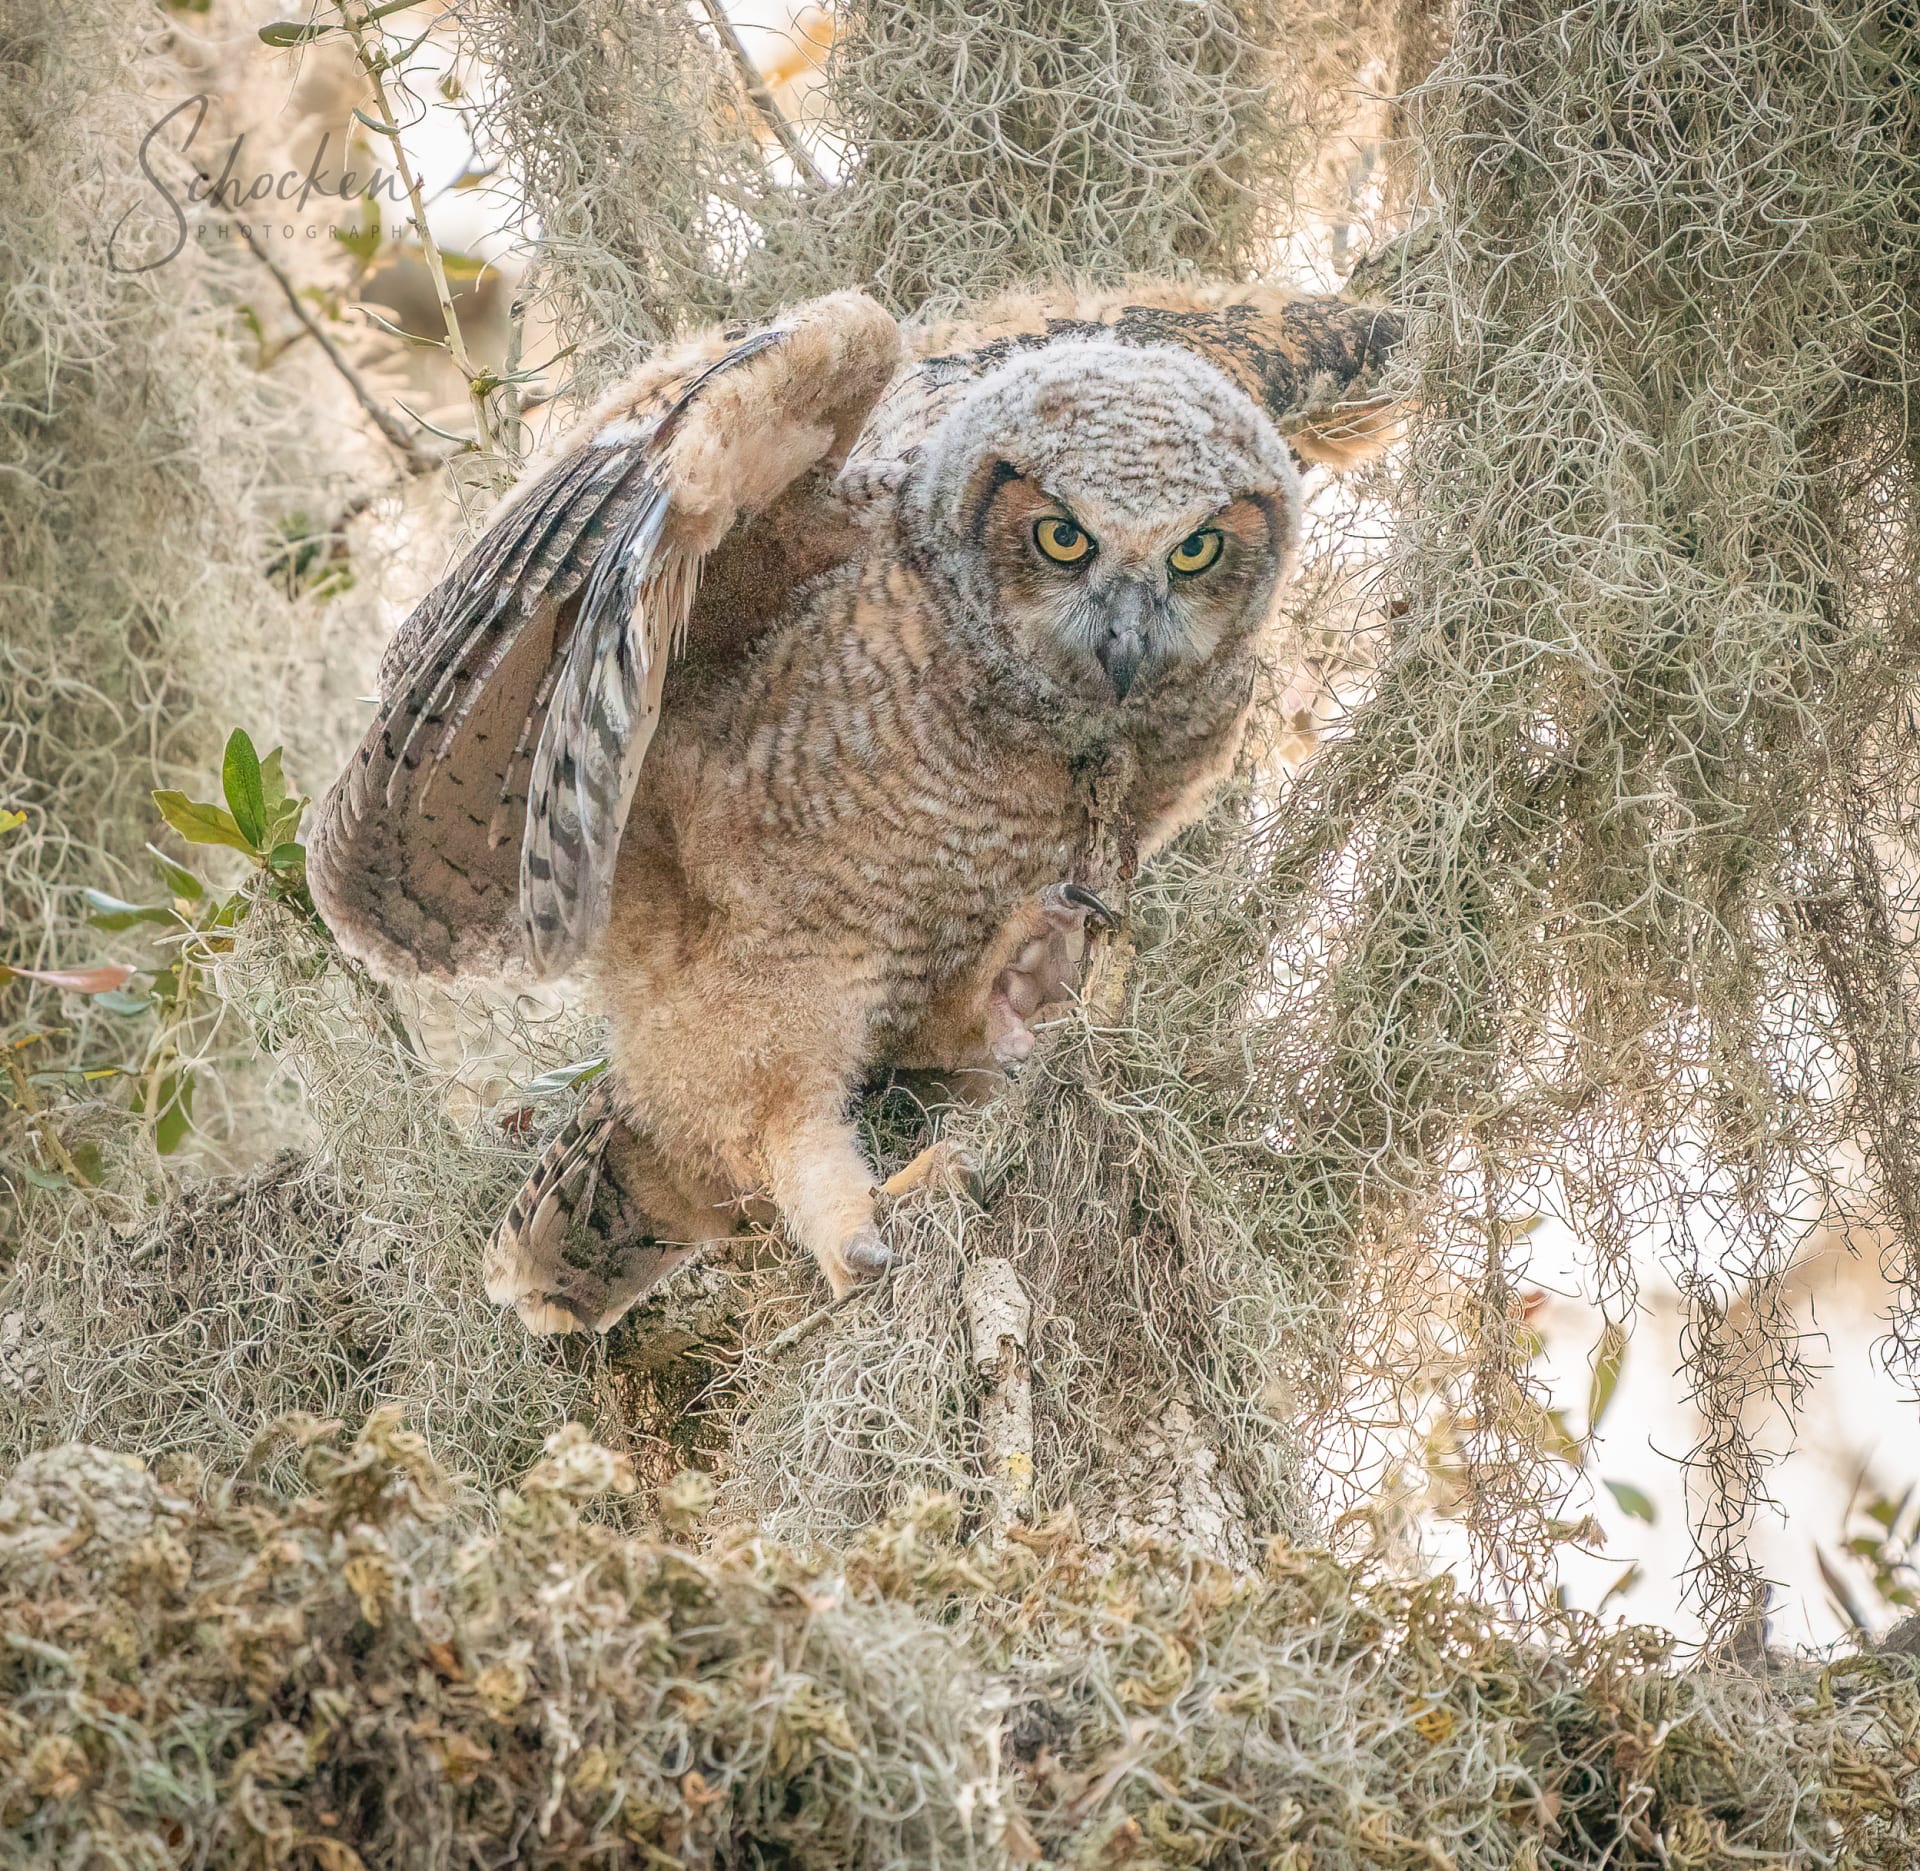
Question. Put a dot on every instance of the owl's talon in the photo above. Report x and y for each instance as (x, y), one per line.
(860, 1260)
(944, 1166)
(1085, 898)
(866, 1254)
(1013, 1046)
(1044, 969)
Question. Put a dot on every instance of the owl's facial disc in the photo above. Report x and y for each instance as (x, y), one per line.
(1104, 602)
(1110, 518)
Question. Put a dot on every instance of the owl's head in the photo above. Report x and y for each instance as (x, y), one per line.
(1112, 518)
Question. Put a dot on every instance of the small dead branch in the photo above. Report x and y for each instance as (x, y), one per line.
(420, 459)
(999, 1315)
(760, 97)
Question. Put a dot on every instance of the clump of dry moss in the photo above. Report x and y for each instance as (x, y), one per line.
(987, 144)
(1607, 902)
(195, 1672)
(956, 149)
(164, 1315)
(139, 464)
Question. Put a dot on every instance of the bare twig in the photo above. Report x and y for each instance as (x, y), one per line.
(375, 62)
(760, 97)
(999, 1315)
(39, 1127)
(419, 458)
(805, 1328)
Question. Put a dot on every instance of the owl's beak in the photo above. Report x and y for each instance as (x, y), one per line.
(1123, 647)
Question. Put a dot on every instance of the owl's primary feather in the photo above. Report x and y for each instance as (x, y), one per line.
(479, 823)
(790, 693)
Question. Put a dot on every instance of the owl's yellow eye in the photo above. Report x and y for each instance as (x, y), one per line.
(1062, 541)
(1196, 552)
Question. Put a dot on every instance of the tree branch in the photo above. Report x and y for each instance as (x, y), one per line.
(760, 97)
(419, 458)
(374, 62)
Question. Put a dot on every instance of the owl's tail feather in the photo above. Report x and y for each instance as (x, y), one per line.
(548, 1258)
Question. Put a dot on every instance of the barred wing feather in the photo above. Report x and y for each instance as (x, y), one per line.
(479, 824)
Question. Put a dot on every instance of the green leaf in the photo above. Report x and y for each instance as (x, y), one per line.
(1632, 1501)
(1608, 1356)
(199, 823)
(240, 780)
(376, 123)
(173, 1104)
(10, 821)
(117, 913)
(1558, 1440)
(124, 1002)
(1624, 1583)
(462, 266)
(272, 782)
(176, 1115)
(564, 1077)
(181, 881)
(287, 857)
(43, 1179)
(284, 824)
(283, 34)
(364, 241)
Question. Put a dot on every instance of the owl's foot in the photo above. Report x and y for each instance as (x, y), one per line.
(864, 1255)
(946, 1168)
(862, 1258)
(1045, 969)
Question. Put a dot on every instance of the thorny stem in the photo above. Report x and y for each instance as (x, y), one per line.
(373, 61)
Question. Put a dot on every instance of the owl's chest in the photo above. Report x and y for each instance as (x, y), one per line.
(885, 808)
(871, 794)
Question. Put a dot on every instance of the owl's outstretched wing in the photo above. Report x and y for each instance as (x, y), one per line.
(1315, 364)
(478, 825)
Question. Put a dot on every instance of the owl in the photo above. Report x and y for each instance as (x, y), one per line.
(817, 696)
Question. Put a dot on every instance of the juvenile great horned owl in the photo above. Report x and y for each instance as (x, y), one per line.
(799, 696)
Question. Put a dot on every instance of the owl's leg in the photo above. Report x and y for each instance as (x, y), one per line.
(747, 1063)
(821, 1183)
(1037, 965)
